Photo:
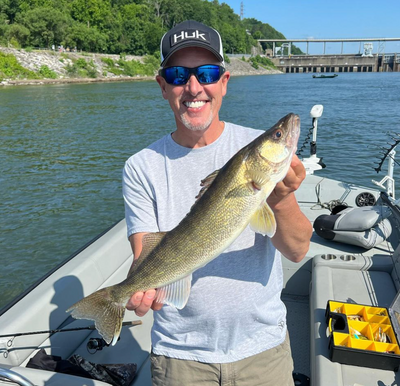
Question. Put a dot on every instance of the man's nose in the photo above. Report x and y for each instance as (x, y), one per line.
(194, 85)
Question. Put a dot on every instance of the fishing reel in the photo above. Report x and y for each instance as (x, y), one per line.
(96, 344)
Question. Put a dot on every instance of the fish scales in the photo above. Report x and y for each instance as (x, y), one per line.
(233, 198)
(196, 237)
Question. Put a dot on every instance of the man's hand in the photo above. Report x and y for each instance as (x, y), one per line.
(141, 302)
(292, 181)
(294, 230)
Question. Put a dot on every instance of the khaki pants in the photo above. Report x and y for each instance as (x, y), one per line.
(270, 368)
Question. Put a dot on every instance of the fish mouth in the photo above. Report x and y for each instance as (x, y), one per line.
(293, 134)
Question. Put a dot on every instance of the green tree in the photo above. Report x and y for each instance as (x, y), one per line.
(233, 33)
(123, 26)
(17, 33)
(9, 8)
(139, 34)
(90, 12)
(168, 12)
(85, 38)
(47, 26)
(261, 30)
(113, 30)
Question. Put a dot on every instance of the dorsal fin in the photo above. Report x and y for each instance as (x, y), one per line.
(149, 242)
(205, 184)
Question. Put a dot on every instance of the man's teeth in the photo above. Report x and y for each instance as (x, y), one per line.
(195, 104)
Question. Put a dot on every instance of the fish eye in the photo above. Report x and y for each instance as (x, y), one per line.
(278, 134)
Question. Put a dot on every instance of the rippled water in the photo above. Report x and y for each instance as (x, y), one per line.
(62, 149)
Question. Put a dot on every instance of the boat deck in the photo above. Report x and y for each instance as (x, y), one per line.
(323, 274)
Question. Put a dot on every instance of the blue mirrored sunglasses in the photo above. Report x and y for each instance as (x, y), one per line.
(178, 75)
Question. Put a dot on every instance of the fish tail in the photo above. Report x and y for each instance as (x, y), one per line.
(106, 312)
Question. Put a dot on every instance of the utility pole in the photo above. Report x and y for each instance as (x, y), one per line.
(241, 10)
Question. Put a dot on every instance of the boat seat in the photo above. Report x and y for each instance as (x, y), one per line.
(365, 226)
(353, 279)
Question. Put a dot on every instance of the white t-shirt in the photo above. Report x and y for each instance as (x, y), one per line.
(234, 309)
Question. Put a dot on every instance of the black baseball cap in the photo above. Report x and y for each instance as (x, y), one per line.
(191, 33)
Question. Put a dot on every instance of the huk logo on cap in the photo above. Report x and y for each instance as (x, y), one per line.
(190, 34)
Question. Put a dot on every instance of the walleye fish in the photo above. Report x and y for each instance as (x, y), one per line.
(231, 198)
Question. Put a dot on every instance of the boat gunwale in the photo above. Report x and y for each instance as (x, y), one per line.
(34, 285)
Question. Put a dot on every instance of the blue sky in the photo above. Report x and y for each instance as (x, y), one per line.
(328, 19)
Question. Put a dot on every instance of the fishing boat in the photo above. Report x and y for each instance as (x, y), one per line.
(322, 76)
(349, 278)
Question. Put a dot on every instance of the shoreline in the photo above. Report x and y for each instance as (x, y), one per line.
(41, 82)
(57, 62)
(139, 78)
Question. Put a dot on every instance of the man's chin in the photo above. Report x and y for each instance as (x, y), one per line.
(201, 126)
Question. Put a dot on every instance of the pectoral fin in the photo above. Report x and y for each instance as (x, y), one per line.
(258, 178)
(175, 294)
(263, 221)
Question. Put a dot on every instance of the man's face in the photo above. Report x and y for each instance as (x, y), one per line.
(195, 106)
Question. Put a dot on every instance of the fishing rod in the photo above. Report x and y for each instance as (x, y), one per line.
(387, 151)
(92, 327)
(93, 345)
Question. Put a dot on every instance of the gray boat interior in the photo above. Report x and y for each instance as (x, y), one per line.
(330, 271)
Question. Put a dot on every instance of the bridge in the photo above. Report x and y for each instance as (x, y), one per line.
(364, 61)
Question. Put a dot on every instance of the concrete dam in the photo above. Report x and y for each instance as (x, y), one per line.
(364, 61)
(337, 63)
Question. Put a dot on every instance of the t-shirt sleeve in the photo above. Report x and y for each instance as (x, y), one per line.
(140, 205)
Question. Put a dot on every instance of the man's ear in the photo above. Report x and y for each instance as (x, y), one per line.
(224, 82)
(162, 83)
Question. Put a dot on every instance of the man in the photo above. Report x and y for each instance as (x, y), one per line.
(233, 328)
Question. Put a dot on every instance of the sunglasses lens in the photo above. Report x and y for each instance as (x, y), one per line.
(208, 74)
(176, 75)
(180, 75)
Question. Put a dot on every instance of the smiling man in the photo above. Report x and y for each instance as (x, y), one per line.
(233, 328)
(195, 107)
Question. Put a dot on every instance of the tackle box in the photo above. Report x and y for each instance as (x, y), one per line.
(362, 335)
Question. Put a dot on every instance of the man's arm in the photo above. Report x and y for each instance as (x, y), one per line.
(294, 230)
(141, 302)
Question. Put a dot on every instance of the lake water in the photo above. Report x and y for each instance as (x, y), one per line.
(62, 149)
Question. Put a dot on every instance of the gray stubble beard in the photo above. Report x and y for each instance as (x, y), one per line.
(191, 127)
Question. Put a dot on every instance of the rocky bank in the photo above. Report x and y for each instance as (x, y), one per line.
(58, 61)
